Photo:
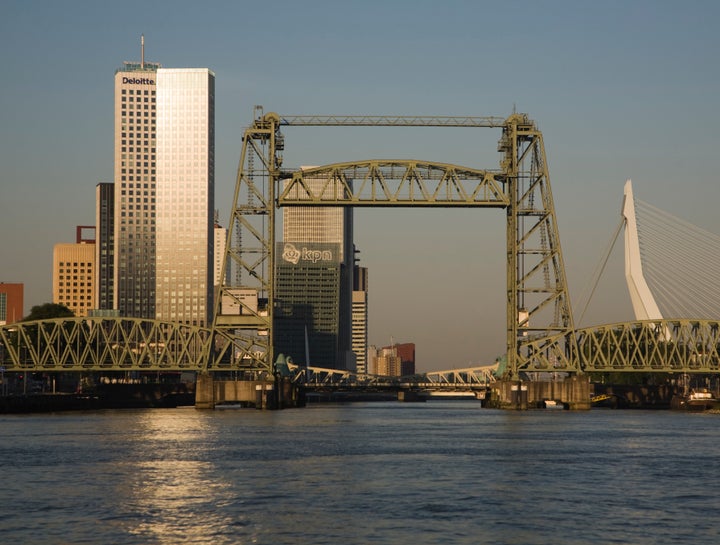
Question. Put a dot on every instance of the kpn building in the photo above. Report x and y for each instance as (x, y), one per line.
(164, 192)
(313, 286)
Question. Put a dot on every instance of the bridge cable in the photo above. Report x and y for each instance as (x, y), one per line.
(600, 268)
(680, 263)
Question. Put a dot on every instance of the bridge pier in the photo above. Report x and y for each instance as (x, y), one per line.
(261, 394)
(573, 392)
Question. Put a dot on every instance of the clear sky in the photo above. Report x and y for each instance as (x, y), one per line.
(620, 89)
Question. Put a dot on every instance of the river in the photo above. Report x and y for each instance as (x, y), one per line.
(365, 473)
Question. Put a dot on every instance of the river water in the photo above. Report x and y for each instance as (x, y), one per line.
(375, 473)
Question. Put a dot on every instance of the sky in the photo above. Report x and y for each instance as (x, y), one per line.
(619, 89)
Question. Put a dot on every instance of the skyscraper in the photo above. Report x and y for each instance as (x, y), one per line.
(135, 184)
(185, 190)
(313, 288)
(360, 318)
(104, 244)
(164, 192)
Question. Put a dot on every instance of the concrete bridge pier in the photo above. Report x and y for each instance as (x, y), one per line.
(573, 392)
(279, 393)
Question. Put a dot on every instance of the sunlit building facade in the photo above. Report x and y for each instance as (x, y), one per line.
(135, 184)
(74, 275)
(185, 188)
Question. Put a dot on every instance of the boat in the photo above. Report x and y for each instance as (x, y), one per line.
(695, 400)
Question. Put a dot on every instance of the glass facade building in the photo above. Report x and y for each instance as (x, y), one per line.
(307, 298)
(104, 244)
(315, 292)
(185, 188)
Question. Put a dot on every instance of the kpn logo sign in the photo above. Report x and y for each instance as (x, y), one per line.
(309, 254)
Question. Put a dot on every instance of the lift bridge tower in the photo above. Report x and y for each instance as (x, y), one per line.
(540, 329)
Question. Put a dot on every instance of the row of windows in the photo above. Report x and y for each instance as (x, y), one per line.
(133, 178)
(75, 291)
(138, 151)
(138, 92)
(131, 99)
(131, 113)
(132, 107)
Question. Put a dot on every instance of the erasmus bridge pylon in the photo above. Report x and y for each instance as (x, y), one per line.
(540, 330)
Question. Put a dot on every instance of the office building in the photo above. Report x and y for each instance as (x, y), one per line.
(394, 360)
(104, 244)
(307, 288)
(135, 178)
(164, 192)
(74, 272)
(185, 189)
(11, 302)
(387, 362)
(360, 318)
(313, 286)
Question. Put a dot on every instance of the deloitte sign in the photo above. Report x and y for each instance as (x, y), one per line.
(138, 81)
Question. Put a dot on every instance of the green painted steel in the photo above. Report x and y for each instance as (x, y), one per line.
(540, 331)
(103, 344)
(395, 183)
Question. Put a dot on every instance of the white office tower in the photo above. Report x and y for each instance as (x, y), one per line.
(135, 199)
(185, 195)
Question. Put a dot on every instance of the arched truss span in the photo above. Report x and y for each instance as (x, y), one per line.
(395, 183)
(682, 346)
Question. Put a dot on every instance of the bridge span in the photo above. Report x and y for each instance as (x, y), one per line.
(541, 336)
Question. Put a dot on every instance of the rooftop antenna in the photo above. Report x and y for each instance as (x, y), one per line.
(142, 52)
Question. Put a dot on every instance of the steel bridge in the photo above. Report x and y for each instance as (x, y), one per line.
(540, 331)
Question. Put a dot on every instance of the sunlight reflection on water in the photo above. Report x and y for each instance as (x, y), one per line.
(376, 473)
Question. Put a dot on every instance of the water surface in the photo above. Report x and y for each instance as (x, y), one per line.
(381, 473)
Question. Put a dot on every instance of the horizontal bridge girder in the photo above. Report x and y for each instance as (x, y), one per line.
(647, 346)
(393, 183)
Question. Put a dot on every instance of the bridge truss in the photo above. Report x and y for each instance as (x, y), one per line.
(537, 296)
(540, 330)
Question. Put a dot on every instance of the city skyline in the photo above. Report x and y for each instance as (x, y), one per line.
(619, 91)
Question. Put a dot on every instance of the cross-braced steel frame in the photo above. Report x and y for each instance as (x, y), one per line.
(540, 330)
(537, 296)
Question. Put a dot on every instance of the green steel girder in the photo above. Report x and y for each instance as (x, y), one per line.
(668, 346)
(540, 329)
(537, 302)
(395, 183)
(103, 344)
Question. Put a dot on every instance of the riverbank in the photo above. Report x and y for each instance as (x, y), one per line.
(104, 396)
